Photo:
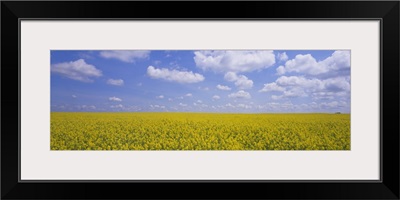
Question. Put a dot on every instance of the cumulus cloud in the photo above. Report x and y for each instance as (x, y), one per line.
(338, 61)
(77, 70)
(241, 81)
(160, 97)
(314, 84)
(223, 87)
(326, 95)
(292, 93)
(337, 84)
(284, 106)
(280, 70)
(333, 104)
(309, 107)
(203, 88)
(157, 106)
(299, 81)
(230, 76)
(234, 61)
(299, 86)
(200, 105)
(229, 105)
(174, 75)
(272, 87)
(188, 95)
(116, 82)
(240, 95)
(243, 106)
(282, 56)
(88, 107)
(216, 97)
(128, 56)
(117, 106)
(182, 104)
(114, 99)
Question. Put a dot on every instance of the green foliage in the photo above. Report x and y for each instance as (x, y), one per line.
(199, 131)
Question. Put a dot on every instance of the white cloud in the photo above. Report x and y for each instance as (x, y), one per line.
(157, 106)
(304, 63)
(333, 104)
(116, 82)
(299, 81)
(294, 92)
(299, 86)
(331, 84)
(323, 96)
(200, 105)
(128, 56)
(277, 106)
(241, 81)
(326, 95)
(77, 70)
(280, 70)
(223, 87)
(205, 88)
(339, 60)
(170, 99)
(117, 106)
(276, 97)
(199, 101)
(229, 105)
(114, 99)
(290, 94)
(86, 107)
(282, 56)
(272, 87)
(188, 95)
(216, 97)
(160, 97)
(174, 75)
(337, 84)
(230, 76)
(243, 106)
(74, 96)
(139, 84)
(182, 104)
(240, 94)
(234, 61)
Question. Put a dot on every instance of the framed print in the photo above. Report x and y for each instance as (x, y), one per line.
(114, 96)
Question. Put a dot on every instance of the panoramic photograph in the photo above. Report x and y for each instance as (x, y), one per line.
(250, 100)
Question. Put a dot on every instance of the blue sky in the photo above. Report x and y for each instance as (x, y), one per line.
(200, 81)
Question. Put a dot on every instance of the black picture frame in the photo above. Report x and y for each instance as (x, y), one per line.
(386, 11)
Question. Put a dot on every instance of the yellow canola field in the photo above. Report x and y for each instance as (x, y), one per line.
(199, 131)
